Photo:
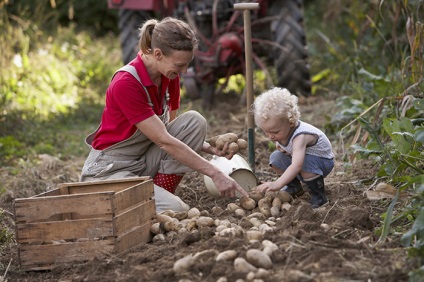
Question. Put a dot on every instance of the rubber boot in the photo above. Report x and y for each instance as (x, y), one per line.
(294, 188)
(317, 191)
(168, 182)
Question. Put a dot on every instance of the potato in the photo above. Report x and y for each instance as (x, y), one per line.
(159, 238)
(233, 147)
(254, 235)
(183, 264)
(264, 207)
(162, 218)
(275, 211)
(172, 225)
(212, 141)
(191, 225)
(285, 206)
(226, 138)
(271, 194)
(258, 259)
(226, 255)
(242, 144)
(157, 228)
(170, 213)
(180, 215)
(193, 212)
(247, 203)
(205, 221)
(284, 196)
(256, 195)
(240, 213)
(276, 202)
(232, 207)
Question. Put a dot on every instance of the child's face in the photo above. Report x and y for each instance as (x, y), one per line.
(277, 129)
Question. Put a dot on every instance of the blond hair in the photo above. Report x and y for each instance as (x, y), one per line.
(168, 35)
(276, 102)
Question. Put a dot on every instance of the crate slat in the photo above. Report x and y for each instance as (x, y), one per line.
(136, 216)
(53, 192)
(134, 238)
(103, 185)
(132, 196)
(41, 209)
(43, 232)
(33, 256)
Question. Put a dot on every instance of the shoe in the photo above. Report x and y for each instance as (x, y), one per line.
(317, 190)
(294, 188)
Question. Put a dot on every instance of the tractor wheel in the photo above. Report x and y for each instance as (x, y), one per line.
(290, 61)
(129, 23)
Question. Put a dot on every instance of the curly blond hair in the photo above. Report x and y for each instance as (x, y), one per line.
(276, 102)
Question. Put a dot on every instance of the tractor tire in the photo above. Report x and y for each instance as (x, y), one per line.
(129, 23)
(290, 61)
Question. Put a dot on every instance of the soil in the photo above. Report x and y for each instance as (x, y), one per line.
(336, 242)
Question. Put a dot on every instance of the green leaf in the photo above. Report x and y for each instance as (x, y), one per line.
(388, 219)
(419, 104)
(419, 135)
(416, 232)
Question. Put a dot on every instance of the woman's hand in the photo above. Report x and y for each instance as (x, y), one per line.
(227, 186)
(268, 186)
(215, 151)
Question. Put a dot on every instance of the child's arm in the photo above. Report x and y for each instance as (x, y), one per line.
(299, 151)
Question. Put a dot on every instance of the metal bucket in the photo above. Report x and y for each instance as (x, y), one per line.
(237, 168)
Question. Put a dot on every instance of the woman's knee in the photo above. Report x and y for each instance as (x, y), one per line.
(198, 119)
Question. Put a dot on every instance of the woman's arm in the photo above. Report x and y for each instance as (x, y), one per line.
(156, 131)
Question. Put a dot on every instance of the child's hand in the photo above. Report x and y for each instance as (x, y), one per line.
(267, 186)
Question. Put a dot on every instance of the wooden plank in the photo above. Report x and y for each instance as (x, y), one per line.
(136, 237)
(41, 209)
(64, 190)
(46, 232)
(54, 192)
(134, 195)
(136, 216)
(34, 256)
(103, 185)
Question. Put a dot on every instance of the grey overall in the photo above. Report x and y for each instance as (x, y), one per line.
(139, 156)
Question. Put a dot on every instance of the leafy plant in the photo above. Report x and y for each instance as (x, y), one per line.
(380, 102)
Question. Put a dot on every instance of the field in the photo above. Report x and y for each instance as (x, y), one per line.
(337, 242)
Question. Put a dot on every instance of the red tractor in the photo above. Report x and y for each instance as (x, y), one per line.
(278, 40)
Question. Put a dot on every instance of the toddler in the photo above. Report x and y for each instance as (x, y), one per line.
(304, 153)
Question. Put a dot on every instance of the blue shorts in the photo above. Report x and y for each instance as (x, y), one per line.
(312, 164)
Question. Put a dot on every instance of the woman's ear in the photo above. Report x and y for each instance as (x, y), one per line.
(158, 54)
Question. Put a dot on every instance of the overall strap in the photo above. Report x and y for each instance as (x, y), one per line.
(132, 70)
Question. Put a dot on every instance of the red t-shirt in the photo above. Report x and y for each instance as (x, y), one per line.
(127, 104)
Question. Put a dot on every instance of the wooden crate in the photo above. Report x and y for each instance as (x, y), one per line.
(79, 221)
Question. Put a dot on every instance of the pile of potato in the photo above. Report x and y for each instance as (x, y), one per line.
(251, 218)
(257, 212)
(235, 144)
(256, 263)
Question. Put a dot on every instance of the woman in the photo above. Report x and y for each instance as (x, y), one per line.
(140, 133)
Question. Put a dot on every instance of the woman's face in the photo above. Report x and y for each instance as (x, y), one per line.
(177, 62)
